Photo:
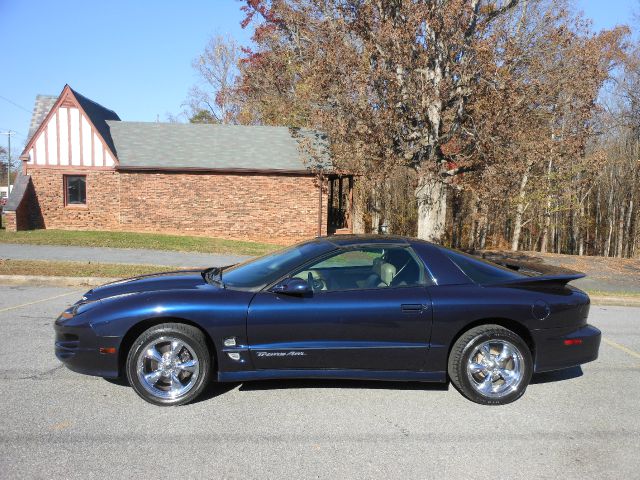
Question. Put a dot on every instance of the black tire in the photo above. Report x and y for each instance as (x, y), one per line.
(475, 383)
(190, 366)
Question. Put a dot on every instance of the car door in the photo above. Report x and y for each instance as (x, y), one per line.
(355, 319)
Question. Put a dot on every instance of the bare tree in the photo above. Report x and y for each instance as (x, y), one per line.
(212, 99)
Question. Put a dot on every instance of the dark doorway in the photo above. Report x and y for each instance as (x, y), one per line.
(340, 204)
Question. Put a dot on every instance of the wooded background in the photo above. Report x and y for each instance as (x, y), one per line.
(480, 124)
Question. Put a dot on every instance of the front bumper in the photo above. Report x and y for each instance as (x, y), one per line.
(552, 353)
(78, 347)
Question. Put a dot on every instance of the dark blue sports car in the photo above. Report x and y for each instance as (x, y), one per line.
(356, 307)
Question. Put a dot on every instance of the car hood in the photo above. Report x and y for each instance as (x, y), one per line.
(179, 280)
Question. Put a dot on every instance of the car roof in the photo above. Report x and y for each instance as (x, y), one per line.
(350, 240)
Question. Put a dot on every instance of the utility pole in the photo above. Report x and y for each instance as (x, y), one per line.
(8, 134)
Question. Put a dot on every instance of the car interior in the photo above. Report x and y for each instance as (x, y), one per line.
(364, 269)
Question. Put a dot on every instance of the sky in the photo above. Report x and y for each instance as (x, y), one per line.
(132, 56)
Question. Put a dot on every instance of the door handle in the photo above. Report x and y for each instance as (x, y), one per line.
(413, 307)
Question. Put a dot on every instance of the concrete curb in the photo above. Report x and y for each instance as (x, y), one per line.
(51, 281)
(615, 301)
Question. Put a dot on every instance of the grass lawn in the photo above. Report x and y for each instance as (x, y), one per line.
(154, 241)
(77, 269)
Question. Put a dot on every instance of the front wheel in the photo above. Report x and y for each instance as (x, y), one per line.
(490, 365)
(169, 364)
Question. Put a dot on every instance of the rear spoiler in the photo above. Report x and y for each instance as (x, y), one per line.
(541, 280)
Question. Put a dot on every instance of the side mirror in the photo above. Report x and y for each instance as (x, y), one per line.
(293, 286)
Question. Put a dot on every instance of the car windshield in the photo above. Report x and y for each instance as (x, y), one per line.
(255, 274)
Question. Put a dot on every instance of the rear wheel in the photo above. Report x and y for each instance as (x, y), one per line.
(490, 365)
(169, 364)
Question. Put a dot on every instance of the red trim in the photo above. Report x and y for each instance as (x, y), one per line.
(66, 168)
(299, 173)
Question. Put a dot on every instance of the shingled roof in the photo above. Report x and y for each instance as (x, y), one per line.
(20, 185)
(99, 116)
(41, 108)
(176, 146)
(142, 145)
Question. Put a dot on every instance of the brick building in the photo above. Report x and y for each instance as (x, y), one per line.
(85, 169)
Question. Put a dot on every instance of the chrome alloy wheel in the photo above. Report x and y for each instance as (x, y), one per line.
(167, 367)
(495, 368)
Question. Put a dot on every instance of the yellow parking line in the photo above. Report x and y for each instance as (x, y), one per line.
(613, 344)
(38, 301)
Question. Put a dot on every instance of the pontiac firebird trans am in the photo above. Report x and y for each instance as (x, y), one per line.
(355, 307)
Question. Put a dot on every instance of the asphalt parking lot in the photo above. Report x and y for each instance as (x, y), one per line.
(582, 423)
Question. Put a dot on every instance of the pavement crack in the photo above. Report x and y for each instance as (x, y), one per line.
(400, 428)
(42, 375)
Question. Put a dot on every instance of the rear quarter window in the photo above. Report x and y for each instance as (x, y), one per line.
(481, 271)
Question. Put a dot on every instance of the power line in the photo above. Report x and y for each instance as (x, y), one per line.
(15, 104)
(20, 134)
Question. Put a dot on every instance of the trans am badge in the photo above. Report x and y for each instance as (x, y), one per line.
(281, 354)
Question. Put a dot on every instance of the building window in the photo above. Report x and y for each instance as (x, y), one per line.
(75, 189)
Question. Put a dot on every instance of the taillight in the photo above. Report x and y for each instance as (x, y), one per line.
(573, 341)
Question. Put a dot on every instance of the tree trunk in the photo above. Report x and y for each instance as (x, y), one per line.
(628, 231)
(633, 237)
(473, 226)
(358, 216)
(580, 230)
(376, 208)
(431, 195)
(573, 239)
(620, 243)
(611, 213)
(517, 222)
(545, 228)
(456, 208)
(596, 238)
(482, 227)
(558, 233)
(607, 243)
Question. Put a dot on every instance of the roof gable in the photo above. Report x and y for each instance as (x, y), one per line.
(96, 115)
(74, 132)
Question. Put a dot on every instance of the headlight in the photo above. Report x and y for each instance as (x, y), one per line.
(68, 313)
(77, 309)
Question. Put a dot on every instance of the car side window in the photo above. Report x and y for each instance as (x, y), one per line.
(365, 268)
